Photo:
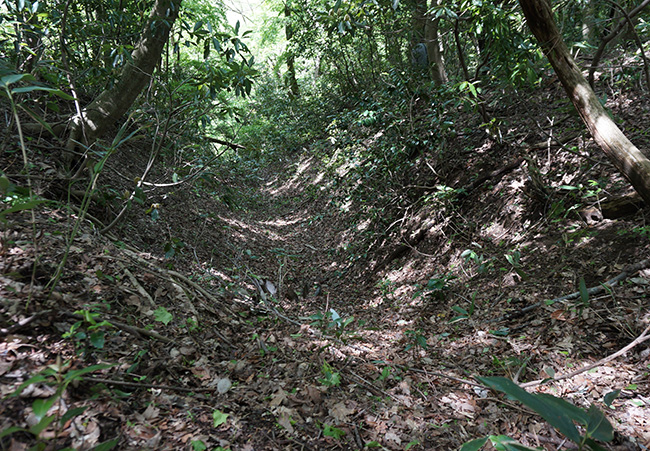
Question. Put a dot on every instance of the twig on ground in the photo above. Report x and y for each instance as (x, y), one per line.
(133, 330)
(628, 271)
(23, 323)
(640, 339)
(141, 385)
(137, 285)
(442, 375)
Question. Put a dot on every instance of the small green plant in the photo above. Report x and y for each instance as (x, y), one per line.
(436, 288)
(331, 431)
(330, 377)
(218, 417)
(464, 314)
(192, 324)
(173, 247)
(385, 374)
(331, 323)
(88, 330)
(56, 375)
(415, 339)
(514, 258)
(162, 315)
(559, 413)
(482, 263)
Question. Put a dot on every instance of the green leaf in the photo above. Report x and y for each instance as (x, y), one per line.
(198, 445)
(14, 78)
(107, 445)
(460, 310)
(20, 207)
(474, 445)
(610, 397)
(72, 413)
(331, 431)
(76, 374)
(42, 425)
(598, 426)
(32, 380)
(40, 407)
(11, 430)
(557, 417)
(162, 315)
(97, 339)
(219, 418)
(584, 294)
(505, 443)
(31, 88)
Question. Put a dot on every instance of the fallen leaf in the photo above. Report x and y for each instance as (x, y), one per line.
(340, 412)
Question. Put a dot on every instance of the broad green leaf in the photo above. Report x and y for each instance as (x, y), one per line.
(474, 445)
(72, 375)
(459, 309)
(610, 397)
(72, 413)
(162, 315)
(598, 426)
(219, 418)
(42, 425)
(54, 91)
(110, 444)
(32, 380)
(14, 78)
(575, 413)
(40, 407)
(505, 443)
(97, 339)
(584, 294)
(558, 418)
(20, 207)
(11, 430)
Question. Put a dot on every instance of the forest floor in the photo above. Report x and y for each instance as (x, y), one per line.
(269, 324)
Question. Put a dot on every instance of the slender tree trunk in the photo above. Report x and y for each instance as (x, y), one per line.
(294, 90)
(113, 103)
(629, 160)
(436, 61)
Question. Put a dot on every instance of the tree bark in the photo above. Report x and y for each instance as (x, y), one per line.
(629, 160)
(113, 103)
(292, 82)
(436, 62)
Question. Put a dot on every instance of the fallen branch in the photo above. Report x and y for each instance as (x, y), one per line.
(133, 330)
(23, 323)
(628, 271)
(232, 145)
(141, 385)
(640, 339)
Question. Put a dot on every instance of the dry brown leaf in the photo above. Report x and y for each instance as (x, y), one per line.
(340, 412)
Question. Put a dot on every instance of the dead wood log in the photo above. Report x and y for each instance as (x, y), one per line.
(613, 209)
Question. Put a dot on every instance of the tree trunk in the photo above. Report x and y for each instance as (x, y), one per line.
(113, 103)
(436, 62)
(292, 82)
(629, 160)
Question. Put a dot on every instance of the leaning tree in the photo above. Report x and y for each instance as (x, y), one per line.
(627, 158)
